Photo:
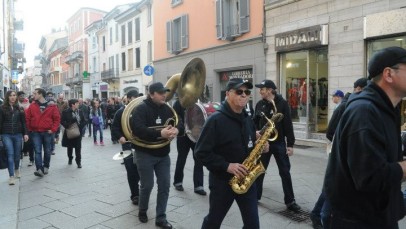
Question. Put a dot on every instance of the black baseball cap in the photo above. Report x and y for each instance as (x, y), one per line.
(267, 84)
(384, 58)
(157, 87)
(236, 83)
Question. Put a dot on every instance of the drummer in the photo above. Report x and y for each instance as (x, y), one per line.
(117, 131)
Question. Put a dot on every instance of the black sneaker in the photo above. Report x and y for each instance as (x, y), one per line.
(142, 216)
(70, 161)
(164, 224)
(294, 207)
(39, 173)
(201, 192)
(135, 200)
(179, 187)
(316, 222)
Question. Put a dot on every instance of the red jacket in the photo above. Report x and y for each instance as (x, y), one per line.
(39, 121)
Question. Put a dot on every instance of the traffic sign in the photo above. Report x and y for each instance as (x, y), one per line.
(149, 70)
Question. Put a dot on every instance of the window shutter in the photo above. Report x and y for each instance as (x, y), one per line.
(184, 31)
(219, 21)
(244, 16)
(169, 36)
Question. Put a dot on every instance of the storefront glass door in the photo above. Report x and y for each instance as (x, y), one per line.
(304, 83)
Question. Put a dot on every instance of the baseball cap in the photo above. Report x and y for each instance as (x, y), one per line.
(338, 93)
(267, 84)
(157, 87)
(386, 57)
(236, 83)
(132, 93)
(361, 82)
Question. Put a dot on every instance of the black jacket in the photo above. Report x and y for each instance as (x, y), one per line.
(145, 116)
(12, 121)
(284, 127)
(68, 119)
(116, 130)
(363, 177)
(226, 138)
(335, 118)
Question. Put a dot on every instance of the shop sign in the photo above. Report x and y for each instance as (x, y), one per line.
(104, 87)
(302, 38)
(244, 74)
(130, 81)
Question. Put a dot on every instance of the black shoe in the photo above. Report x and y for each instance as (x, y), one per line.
(164, 224)
(70, 162)
(142, 216)
(179, 187)
(201, 192)
(316, 222)
(79, 166)
(294, 207)
(135, 200)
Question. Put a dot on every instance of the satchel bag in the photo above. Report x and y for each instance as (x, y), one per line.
(3, 156)
(72, 131)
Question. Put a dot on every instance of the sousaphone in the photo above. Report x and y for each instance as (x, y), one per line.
(189, 86)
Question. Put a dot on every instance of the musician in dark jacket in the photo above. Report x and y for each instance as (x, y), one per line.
(151, 123)
(366, 168)
(282, 147)
(117, 131)
(227, 138)
(70, 116)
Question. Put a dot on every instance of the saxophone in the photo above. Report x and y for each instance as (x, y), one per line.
(252, 162)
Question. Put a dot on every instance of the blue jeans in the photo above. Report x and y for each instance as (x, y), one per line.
(222, 197)
(42, 140)
(184, 144)
(278, 149)
(147, 165)
(95, 129)
(13, 144)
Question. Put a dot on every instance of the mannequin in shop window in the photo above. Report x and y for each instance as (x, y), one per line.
(303, 100)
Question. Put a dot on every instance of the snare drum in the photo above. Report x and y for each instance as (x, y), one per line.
(196, 115)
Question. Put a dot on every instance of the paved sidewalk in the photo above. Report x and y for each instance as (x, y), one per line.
(97, 196)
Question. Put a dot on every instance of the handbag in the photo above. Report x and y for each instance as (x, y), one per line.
(3, 156)
(72, 131)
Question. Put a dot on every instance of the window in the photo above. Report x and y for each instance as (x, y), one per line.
(111, 35)
(122, 35)
(137, 58)
(117, 65)
(176, 2)
(123, 61)
(94, 42)
(130, 59)
(104, 43)
(111, 62)
(137, 29)
(116, 34)
(130, 32)
(94, 64)
(149, 15)
(149, 52)
(232, 18)
(177, 34)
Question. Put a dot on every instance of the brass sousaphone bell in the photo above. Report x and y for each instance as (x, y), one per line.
(189, 86)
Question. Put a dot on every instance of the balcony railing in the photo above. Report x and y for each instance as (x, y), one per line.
(75, 57)
(76, 80)
(110, 74)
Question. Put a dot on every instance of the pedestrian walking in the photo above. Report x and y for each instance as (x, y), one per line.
(96, 115)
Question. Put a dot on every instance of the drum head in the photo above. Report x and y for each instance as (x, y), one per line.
(195, 117)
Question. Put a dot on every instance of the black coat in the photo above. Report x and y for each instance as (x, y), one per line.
(68, 119)
(363, 177)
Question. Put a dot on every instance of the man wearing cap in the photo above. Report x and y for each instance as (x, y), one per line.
(365, 169)
(282, 147)
(321, 210)
(153, 112)
(338, 96)
(117, 133)
(223, 150)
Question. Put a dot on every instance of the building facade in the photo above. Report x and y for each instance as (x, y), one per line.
(315, 47)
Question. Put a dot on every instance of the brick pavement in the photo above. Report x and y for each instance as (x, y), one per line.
(97, 196)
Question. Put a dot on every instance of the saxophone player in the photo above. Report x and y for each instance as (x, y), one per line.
(226, 140)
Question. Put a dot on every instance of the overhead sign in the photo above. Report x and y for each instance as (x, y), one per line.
(302, 38)
(14, 76)
(149, 70)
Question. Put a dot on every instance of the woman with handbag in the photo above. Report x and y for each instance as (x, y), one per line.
(73, 121)
(13, 130)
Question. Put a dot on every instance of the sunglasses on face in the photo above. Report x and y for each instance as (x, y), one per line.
(239, 92)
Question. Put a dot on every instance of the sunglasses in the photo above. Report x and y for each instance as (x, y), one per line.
(239, 92)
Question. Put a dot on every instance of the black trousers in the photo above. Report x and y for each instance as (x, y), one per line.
(78, 155)
(132, 173)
